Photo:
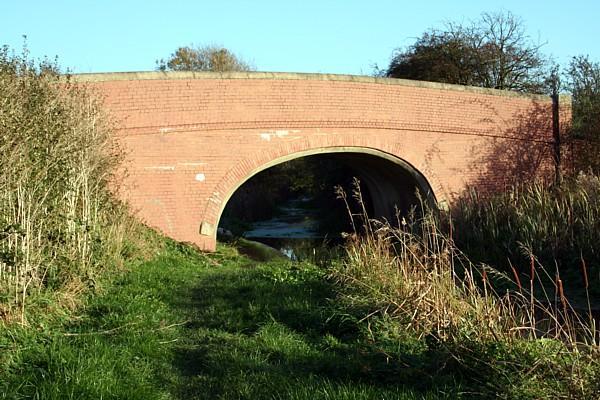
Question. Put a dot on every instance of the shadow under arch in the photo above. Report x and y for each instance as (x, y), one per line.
(392, 181)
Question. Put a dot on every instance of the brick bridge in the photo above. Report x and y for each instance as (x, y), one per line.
(193, 138)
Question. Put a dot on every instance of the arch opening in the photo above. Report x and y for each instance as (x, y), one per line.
(298, 190)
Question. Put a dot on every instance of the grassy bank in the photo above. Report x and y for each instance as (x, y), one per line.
(194, 326)
(498, 337)
(186, 325)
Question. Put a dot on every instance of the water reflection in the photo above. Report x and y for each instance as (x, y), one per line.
(295, 219)
(295, 231)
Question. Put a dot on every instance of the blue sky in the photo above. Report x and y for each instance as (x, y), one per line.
(329, 36)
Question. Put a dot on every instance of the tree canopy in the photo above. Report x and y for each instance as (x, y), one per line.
(203, 58)
(493, 52)
(583, 79)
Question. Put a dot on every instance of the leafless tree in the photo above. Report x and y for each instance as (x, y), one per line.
(494, 51)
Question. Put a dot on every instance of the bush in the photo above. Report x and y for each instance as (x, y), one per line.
(59, 223)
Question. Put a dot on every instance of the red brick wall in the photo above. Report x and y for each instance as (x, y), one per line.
(192, 139)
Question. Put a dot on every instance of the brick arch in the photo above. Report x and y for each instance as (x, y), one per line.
(236, 176)
(243, 167)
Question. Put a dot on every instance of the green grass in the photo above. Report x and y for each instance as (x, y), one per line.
(191, 326)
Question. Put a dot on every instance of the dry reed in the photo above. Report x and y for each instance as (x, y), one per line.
(414, 274)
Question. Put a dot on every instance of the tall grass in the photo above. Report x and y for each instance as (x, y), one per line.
(59, 223)
(560, 226)
(414, 276)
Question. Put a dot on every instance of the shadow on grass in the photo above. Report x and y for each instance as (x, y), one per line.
(192, 326)
(270, 331)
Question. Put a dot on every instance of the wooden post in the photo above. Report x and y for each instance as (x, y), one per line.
(556, 136)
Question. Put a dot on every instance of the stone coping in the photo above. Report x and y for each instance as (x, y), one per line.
(177, 75)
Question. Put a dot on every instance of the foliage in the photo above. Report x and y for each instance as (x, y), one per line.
(188, 325)
(203, 58)
(412, 281)
(258, 251)
(59, 224)
(584, 84)
(493, 52)
(560, 226)
(259, 197)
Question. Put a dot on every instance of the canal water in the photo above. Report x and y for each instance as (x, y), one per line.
(294, 231)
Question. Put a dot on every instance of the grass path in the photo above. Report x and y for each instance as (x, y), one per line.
(188, 326)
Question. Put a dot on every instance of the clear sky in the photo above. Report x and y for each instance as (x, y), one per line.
(329, 36)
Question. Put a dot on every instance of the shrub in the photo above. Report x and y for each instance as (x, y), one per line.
(59, 223)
